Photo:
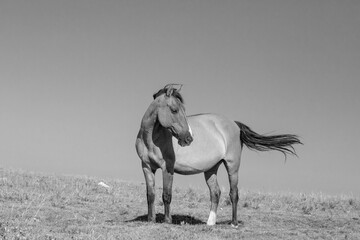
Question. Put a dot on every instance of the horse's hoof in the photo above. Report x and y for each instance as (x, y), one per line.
(168, 220)
(234, 225)
(151, 219)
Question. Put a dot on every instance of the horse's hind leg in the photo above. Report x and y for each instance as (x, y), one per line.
(211, 181)
(234, 195)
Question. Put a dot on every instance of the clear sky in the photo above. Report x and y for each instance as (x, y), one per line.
(77, 76)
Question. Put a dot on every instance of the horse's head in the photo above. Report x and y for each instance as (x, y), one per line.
(171, 114)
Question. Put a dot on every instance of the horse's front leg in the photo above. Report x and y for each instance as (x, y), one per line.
(150, 192)
(167, 193)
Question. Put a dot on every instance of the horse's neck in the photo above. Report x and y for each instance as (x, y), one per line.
(150, 127)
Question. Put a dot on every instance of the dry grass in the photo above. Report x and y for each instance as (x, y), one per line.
(39, 206)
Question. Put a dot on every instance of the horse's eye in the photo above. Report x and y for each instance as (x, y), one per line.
(174, 110)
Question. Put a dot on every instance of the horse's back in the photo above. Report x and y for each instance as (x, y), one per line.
(212, 134)
(226, 127)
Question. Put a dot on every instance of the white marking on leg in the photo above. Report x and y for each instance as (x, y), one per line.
(212, 218)
(234, 226)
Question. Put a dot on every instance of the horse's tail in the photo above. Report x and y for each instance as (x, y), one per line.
(282, 143)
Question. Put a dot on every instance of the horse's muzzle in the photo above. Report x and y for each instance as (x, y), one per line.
(186, 140)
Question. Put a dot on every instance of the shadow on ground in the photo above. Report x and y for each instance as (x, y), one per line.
(240, 223)
(176, 219)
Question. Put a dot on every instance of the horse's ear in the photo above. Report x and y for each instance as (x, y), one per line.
(169, 91)
(181, 85)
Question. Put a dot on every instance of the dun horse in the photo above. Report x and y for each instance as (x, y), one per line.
(175, 143)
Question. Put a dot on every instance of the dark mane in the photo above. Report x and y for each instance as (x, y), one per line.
(175, 94)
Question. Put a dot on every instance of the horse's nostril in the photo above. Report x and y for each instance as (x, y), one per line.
(189, 139)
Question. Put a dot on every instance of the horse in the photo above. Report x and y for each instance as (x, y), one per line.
(175, 143)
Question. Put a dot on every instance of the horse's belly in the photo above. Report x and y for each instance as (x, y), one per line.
(199, 156)
(208, 146)
(187, 169)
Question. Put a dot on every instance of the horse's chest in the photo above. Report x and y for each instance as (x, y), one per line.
(148, 154)
(160, 158)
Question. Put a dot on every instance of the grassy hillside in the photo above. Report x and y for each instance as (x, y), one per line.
(38, 206)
